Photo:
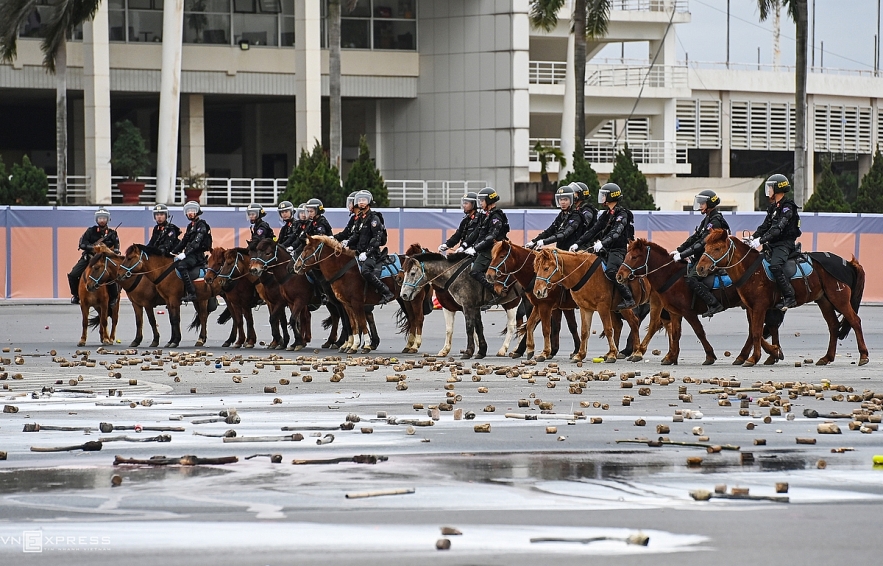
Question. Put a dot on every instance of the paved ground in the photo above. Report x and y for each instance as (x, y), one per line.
(501, 489)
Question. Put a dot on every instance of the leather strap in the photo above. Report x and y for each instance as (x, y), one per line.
(671, 280)
(342, 271)
(749, 272)
(584, 279)
(457, 272)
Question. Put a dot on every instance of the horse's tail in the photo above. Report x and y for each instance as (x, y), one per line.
(856, 300)
(772, 319)
(328, 322)
(225, 316)
(402, 321)
(521, 331)
(427, 304)
(195, 322)
(94, 322)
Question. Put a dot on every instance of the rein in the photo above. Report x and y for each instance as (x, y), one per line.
(97, 280)
(498, 269)
(633, 271)
(548, 280)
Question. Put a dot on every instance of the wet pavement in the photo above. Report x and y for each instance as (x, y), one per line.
(500, 489)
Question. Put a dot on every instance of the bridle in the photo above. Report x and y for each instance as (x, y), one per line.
(731, 250)
(416, 284)
(301, 259)
(130, 270)
(633, 271)
(97, 280)
(498, 269)
(548, 280)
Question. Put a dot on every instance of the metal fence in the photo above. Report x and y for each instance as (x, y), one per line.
(439, 194)
(601, 151)
(659, 76)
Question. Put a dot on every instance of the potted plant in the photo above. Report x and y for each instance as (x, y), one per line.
(129, 158)
(194, 184)
(544, 154)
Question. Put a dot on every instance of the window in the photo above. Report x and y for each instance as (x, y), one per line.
(380, 24)
(207, 21)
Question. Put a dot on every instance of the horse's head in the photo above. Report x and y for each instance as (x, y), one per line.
(102, 269)
(719, 250)
(414, 278)
(414, 249)
(317, 249)
(635, 262)
(215, 262)
(265, 254)
(135, 261)
(546, 265)
(497, 267)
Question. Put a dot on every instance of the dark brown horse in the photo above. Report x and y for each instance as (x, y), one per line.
(650, 261)
(140, 292)
(159, 271)
(239, 298)
(94, 295)
(759, 294)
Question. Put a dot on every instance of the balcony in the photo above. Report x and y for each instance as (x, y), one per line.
(654, 157)
(680, 6)
(602, 79)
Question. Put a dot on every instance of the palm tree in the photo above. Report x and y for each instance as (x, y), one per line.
(544, 153)
(590, 19)
(798, 11)
(63, 18)
(334, 112)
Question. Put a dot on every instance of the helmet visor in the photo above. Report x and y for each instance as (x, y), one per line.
(362, 200)
(698, 201)
(564, 200)
(468, 201)
(770, 188)
(102, 216)
(602, 197)
(349, 202)
(190, 208)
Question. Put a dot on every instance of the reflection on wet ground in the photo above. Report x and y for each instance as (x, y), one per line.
(30, 480)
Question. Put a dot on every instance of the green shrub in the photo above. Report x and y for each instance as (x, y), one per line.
(582, 172)
(315, 177)
(828, 197)
(28, 184)
(632, 182)
(364, 176)
(870, 193)
(129, 153)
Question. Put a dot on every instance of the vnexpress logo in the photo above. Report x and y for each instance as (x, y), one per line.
(32, 541)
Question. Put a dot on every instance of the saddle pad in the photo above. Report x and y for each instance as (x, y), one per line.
(791, 271)
(196, 274)
(717, 281)
(835, 266)
(391, 269)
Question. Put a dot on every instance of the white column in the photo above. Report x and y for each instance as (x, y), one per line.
(719, 165)
(169, 99)
(568, 115)
(193, 135)
(810, 148)
(307, 73)
(96, 106)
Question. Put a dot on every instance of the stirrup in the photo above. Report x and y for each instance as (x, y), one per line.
(626, 304)
(188, 298)
(786, 303)
(713, 310)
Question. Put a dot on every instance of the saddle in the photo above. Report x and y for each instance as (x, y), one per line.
(717, 281)
(196, 273)
(798, 266)
(390, 266)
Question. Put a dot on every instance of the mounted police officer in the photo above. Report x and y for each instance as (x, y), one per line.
(347, 232)
(567, 227)
(779, 232)
(191, 249)
(287, 233)
(493, 228)
(586, 208)
(692, 249)
(368, 235)
(611, 233)
(100, 233)
(260, 229)
(317, 224)
(165, 234)
(467, 231)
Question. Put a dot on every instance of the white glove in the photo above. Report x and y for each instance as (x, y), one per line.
(442, 248)
(290, 250)
(346, 244)
(363, 256)
(754, 243)
(676, 256)
(574, 247)
(180, 256)
(539, 245)
(529, 245)
(598, 247)
(470, 251)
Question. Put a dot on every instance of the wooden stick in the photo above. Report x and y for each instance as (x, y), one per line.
(309, 428)
(362, 459)
(158, 438)
(274, 458)
(226, 434)
(91, 446)
(656, 443)
(733, 389)
(414, 422)
(364, 494)
(530, 417)
(108, 427)
(637, 538)
(34, 427)
(296, 437)
(182, 461)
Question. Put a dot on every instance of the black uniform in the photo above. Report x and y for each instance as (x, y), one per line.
(565, 230)
(467, 231)
(196, 242)
(368, 231)
(614, 229)
(260, 230)
(693, 248)
(493, 228)
(288, 233)
(165, 237)
(346, 233)
(779, 231)
(590, 214)
(95, 234)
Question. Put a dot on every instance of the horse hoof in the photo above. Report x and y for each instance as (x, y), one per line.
(666, 362)
(822, 362)
(226, 344)
(298, 347)
(610, 360)
(541, 358)
(169, 345)
(81, 343)
(528, 356)
(154, 344)
(365, 350)
(199, 344)
(136, 343)
(709, 361)
(352, 351)
(748, 364)
(272, 345)
(501, 354)
(249, 345)
(620, 356)
(479, 356)
(771, 360)
(466, 355)
(863, 361)
(514, 355)
(635, 358)
(443, 353)
(738, 361)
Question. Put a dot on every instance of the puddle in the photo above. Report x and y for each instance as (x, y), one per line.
(29, 480)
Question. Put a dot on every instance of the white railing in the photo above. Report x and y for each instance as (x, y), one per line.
(547, 72)
(416, 193)
(650, 5)
(548, 142)
(769, 67)
(648, 151)
(659, 76)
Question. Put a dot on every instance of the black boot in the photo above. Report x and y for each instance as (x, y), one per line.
(704, 293)
(628, 301)
(74, 283)
(787, 290)
(381, 288)
(489, 287)
(189, 289)
(113, 294)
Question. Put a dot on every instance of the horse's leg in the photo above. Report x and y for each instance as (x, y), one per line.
(510, 331)
(652, 328)
(830, 315)
(696, 324)
(139, 322)
(84, 311)
(479, 334)
(746, 349)
(202, 313)
(674, 340)
(449, 332)
(856, 323)
(555, 332)
(419, 319)
(103, 313)
(611, 333)
(584, 331)
(306, 323)
(570, 317)
(543, 312)
(372, 327)
(634, 335)
(364, 343)
(114, 318)
(174, 311)
(470, 333)
(532, 319)
(151, 318)
(755, 330)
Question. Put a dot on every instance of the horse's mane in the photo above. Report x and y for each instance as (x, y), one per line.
(642, 243)
(414, 249)
(105, 252)
(433, 256)
(149, 250)
(716, 235)
(333, 244)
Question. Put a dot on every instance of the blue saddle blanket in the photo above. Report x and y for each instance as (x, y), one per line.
(717, 281)
(196, 273)
(791, 270)
(391, 269)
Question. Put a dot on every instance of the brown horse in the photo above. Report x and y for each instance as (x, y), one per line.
(239, 299)
(591, 290)
(650, 261)
(159, 271)
(140, 292)
(94, 295)
(338, 267)
(513, 263)
(759, 294)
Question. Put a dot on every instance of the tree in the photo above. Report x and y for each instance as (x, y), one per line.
(583, 172)
(28, 184)
(315, 177)
(334, 111)
(129, 154)
(63, 18)
(626, 174)
(590, 19)
(798, 11)
(544, 153)
(870, 193)
(828, 197)
(4, 183)
(364, 176)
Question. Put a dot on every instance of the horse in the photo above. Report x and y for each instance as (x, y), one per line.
(759, 294)
(235, 271)
(650, 261)
(239, 299)
(94, 294)
(449, 274)
(591, 290)
(512, 263)
(142, 294)
(156, 268)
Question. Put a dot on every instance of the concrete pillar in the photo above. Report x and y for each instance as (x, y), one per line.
(96, 106)
(719, 160)
(78, 139)
(864, 165)
(374, 132)
(308, 74)
(568, 115)
(169, 100)
(810, 148)
(193, 133)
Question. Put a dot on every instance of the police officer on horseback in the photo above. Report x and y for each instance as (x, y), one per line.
(287, 233)
(98, 234)
(493, 228)
(567, 227)
(583, 195)
(191, 249)
(347, 232)
(260, 229)
(612, 233)
(779, 233)
(317, 224)
(165, 235)
(467, 231)
(368, 235)
(692, 249)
